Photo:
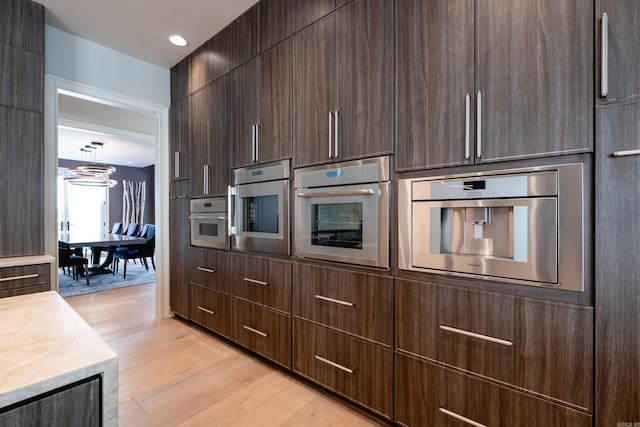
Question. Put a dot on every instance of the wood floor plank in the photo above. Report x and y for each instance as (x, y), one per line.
(173, 373)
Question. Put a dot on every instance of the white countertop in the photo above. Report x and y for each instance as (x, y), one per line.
(45, 344)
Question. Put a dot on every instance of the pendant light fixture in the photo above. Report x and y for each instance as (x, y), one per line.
(92, 173)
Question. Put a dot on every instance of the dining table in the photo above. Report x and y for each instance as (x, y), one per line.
(99, 242)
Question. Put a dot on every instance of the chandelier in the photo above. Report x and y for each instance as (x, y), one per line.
(92, 173)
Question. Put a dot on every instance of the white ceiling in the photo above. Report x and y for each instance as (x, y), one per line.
(138, 28)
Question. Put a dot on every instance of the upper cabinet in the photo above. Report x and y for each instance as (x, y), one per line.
(306, 12)
(179, 138)
(210, 60)
(618, 50)
(533, 80)
(244, 36)
(343, 85)
(275, 22)
(261, 107)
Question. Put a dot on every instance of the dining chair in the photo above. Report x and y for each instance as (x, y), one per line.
(132, 229)
(117, 228)
(68, 259)
(141, 252)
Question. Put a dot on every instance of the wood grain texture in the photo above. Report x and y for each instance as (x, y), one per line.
(276, 23)
(22, 25)
(21, 200)
(624, 49)
(210, 309)
(244, 36)
(617, 275)
(370, 383)
(211, 60)
(264, 331)
(179, 237)
(551, 352)
(204, 380)
(423, 388)
(201, 135)
(179, 139)
(24, 286)
(210, 268)
(179, 81)
(276, 293)
(435, 72)
(245, 102)
(306, 12)
(535, 72)
(371, 296)
(22, 83)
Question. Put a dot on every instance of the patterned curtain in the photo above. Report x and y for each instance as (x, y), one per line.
(133, 198)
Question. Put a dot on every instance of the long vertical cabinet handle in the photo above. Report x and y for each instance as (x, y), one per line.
(257, 142)
(331, 134)
(479, 126)
(253, 143)
(205, 184)
(176, 164)
(336, 115)
(604, 74)
(467, 124)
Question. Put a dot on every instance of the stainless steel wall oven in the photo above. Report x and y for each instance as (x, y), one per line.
(342, 212)
(209, 221)
(522, 226)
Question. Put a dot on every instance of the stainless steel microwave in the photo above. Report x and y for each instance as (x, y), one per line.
(208, 219)
(523, 226)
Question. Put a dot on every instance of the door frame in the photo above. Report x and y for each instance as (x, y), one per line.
(54, 86)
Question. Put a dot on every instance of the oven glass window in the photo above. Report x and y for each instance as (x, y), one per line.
(261, 214)
(338, 225)
(208, 229)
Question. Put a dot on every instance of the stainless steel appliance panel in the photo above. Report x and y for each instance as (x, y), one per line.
(209, 222)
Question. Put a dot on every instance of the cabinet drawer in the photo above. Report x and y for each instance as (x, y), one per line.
(262, 330)
(358, 303)
(542, 346)
(264, 281)
(24, 280)
(355, 368)
(210, 309)
(209, 268)
(430, 395)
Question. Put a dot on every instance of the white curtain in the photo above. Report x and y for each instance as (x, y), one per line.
(133, 198)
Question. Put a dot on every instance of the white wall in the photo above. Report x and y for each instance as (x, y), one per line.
(78, 60)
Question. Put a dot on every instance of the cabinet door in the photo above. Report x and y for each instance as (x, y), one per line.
(275, 82)
(179, 139)
(200, 130)
(179, 239)
(365, 79)
(617, 275)
(534, 71)
(275, 22)
(244, 36)
(22, 25)
(314, 91)
(210, 309)
(306, 12)
(245, 99)
(209, 268)
(179, 80)
(435, 63)
(23, 85)
(623, 44)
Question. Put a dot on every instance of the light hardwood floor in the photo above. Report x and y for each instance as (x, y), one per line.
(172, 373)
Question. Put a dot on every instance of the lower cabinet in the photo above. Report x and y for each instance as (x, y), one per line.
(210, 309)
(262, 330)
(24, 279)
(432, 395)
(79, 404)
(358, 369)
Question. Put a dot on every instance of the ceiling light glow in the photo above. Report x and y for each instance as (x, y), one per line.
(178, 40)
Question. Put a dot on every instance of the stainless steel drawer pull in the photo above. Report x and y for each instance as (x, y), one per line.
(255, 331)
(604, 71)
(257, 282)
(366, 192)
(626, 153)
(206, 310)
(334, 364)
(460, 418)
(27, 276)
(474, 335)
(336, 301)
(206, 270)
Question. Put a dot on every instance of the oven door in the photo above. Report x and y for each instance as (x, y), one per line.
(346, 224)
(262, 217)
(209, 230)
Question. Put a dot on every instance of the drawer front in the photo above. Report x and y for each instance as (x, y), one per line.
(263, 281)
(355, 368)
(210, 309)
(358, 303)
(537, 345)
(209, 268)
(262, 330)
(431, 395)
(24, 280)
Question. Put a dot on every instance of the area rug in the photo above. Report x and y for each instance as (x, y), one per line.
(136, 275)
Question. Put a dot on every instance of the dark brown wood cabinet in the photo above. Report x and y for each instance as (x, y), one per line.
(261, 107)
(245, 36)
(179, 139)
(276, 22)
(617, 300)
(179, 81)
(432, 395)
(617, 21)
(536, 345)
(210, 309)
(358, 369)
(354, 302)
(210, 268)
(211, 60)
(343, 84)
(533, 78)
(22, 26)
(25, 279)
(209, 129)
(306, 12)
(180, 238)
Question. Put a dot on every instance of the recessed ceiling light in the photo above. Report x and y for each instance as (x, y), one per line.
(178, 40)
